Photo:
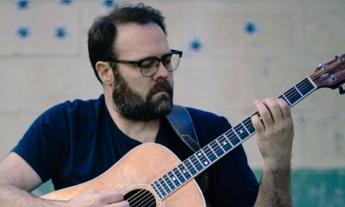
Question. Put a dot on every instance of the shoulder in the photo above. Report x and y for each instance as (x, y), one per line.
(70, 115)
(75, 108)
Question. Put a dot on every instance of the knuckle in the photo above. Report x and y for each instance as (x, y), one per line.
(267, 99)
(270, 101)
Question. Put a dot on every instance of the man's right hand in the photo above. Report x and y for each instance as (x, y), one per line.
(96, 198)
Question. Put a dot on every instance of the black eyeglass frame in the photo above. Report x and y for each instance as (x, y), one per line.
(139, 63)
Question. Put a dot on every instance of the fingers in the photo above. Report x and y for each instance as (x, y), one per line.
(272, 110)
(264, 112)
(258, 125)
(120, 204)
(284, 107)
(111, 197)
(94, 198)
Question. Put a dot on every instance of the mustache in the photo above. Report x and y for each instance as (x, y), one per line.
(161, 85)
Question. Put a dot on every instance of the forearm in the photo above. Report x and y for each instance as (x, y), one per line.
(274, 188)
(14, 197)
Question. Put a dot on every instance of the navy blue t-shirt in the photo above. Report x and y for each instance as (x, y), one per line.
(76, 141)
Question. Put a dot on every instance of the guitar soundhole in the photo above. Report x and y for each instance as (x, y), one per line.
(140, 198)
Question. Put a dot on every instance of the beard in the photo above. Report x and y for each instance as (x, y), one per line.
(133, 106)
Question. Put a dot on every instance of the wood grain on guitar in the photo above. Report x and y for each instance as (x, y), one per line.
(150, 175)
(137, 170)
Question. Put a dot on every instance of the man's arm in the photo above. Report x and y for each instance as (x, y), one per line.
(17, 178)
(275, 133)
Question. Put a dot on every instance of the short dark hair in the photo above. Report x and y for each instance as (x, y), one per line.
(102, 33)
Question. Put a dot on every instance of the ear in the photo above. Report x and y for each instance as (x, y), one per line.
(105, 72)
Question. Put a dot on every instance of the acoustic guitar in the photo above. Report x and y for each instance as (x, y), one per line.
(150, 175)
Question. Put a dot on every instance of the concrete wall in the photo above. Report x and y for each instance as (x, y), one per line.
(234, 52)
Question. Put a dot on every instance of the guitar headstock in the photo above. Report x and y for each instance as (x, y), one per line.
(331, 74)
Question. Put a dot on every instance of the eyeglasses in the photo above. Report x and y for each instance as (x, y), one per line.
(150, 65)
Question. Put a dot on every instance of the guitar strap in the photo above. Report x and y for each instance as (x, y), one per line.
(182, 123)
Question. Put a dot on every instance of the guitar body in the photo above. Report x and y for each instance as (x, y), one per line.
(136, 171)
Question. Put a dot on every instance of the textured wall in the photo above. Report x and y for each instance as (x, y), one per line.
(234, 52)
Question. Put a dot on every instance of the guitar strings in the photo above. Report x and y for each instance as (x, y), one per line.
(147, 202)
(151, 203)
(145, 199)
(138, 195)
(303, 85)
(134, 196)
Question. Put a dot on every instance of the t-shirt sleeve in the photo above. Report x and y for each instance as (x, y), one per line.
(39, 145)
(231, 181)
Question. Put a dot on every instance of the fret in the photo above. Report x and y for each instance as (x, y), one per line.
(298, 91)
(201, 156)
(162, 188)
(245, 128)
(174, 179)
(292, 95)
(240, 131)
(190, 167)
(249, 125)
(305, 86)
(311, 82)
(178, 171)
(233, 138)
(170, 183)
(225, 143)
(217, 148)
(210, 153)
(156, 189)
(184, 171)
(159, 186)
(179, 175)
(164, 185)
(196, 163)
(285, 99)
(235, 133)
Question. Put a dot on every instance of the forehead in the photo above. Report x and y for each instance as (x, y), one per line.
(135, 41)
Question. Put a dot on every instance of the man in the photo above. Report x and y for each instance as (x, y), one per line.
(76, 141)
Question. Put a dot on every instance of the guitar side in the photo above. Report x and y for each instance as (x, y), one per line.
(137, 170)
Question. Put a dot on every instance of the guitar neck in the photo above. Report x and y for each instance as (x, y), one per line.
(222, 145)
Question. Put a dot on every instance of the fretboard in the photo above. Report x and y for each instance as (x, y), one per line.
(222, 145)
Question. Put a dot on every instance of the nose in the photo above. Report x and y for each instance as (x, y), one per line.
(162, 72)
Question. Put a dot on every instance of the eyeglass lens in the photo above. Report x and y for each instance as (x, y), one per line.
(151, 65)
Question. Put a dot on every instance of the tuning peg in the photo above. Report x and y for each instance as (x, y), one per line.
(341, 90)
(321, 65)
(339, 57)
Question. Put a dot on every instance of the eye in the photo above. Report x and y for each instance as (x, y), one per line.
(148, 63)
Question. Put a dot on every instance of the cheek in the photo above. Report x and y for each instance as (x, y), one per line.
(135, 81)
(141, 86)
